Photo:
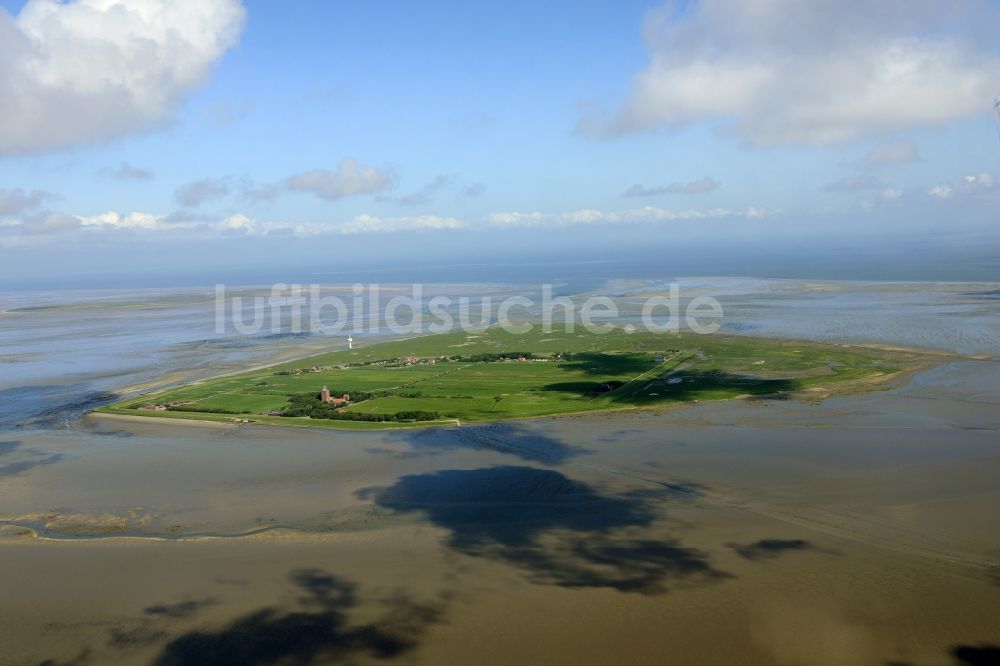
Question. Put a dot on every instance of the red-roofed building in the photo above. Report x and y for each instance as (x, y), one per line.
(324, 395)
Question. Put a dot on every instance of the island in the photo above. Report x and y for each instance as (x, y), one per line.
(494, 374)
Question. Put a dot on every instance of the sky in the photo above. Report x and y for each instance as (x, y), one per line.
(194, 141)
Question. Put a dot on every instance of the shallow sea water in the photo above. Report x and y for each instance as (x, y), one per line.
(859, 530)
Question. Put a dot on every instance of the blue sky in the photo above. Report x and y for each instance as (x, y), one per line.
(366, 131)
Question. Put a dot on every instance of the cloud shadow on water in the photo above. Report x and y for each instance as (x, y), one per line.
(560, 531)
(23, 459)
(319, 631)
(507, 438)
(179, 609)
(83, 657)
(769, 549)
(976, 655)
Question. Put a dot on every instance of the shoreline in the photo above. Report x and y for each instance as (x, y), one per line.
(851, 387)
(142, 418)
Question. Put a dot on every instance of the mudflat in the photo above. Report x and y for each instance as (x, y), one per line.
(858, 530)
(783, 528)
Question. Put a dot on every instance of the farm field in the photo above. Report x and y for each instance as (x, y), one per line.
(494, 374)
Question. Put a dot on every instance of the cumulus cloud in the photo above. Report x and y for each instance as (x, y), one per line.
(421, 197)
(786, 71)
(238, 224)
(57, 225)
(184, 219)
(255, 192)
(126, 171)
(940, 191)
(184, 224)
(87, 71)
(588, 216)
(370, 224)
(361, 224)
(201, 191)
(136, 220)
(517, 219)
(981, 185)
(983, 182)
(349, 179)
(48, 223)
(700, 186)
(17, 201)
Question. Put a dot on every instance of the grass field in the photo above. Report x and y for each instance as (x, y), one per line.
(456, 377)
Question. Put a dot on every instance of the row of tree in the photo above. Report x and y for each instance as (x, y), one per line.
(205, 410)
(489, 358)
(309, 404)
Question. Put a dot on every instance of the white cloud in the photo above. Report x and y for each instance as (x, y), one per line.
(58, 224)
(515, 219)
(201, 191)
(257, 193)
(91, 70)
(16, 201)
(360, 224)
(982, 181)
(636, 215)
(981, 185)
(55, 226)
(888, 195)
(700, 186)
(370, 224)
(136, 220)
(940, 191)
(787, 71)
(195, 226)
(49, 223)
(349, 179)
(587, 216)
(238, 224)
(421, 197)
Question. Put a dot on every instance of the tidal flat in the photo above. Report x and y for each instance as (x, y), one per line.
(852, 530)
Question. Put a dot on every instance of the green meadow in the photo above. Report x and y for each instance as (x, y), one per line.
(494, 374)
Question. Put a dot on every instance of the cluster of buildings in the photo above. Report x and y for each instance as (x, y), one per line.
(325, 396)
(161, 406)
(412, 359)
(299, 371)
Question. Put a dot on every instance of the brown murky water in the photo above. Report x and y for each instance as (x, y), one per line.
(863, 530)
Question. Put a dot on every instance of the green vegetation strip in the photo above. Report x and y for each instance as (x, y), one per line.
(494, 374)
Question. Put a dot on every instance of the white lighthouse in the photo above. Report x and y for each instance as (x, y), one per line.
(350, 342)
